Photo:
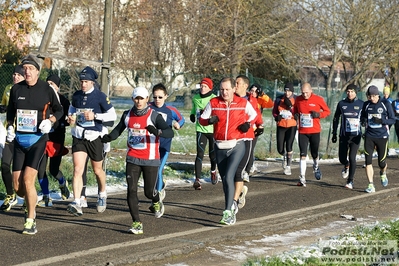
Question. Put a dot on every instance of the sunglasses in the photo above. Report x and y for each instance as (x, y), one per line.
(157, 97)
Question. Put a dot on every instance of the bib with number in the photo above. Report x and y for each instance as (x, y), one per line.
(137, 138)
(80, 118)
(352, 125)
(286, 114)
(371, 123)
(26, 120)
(306, 120)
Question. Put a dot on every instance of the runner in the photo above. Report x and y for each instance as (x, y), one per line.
(377, 116)
(204, 133)
(30, 107)
(309, 108)
(231, 117)
(349, 111)
(145, 128)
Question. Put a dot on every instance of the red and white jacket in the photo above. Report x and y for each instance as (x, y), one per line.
(230, 117)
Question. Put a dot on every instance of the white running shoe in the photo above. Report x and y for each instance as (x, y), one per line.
(83, 202)
(245, 177)
(241, 199)
(287, 170)
(345, 173)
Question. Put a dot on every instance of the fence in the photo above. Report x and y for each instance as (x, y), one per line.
(266, 144)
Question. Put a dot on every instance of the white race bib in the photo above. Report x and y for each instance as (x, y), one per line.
(26, 120)
(306, 120)
(286, 114)
(136, 139)
(352, 125)
(80, 117)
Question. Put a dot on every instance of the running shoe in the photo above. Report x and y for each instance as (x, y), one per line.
(137, 228)
(317, 172)
(234, 207)
(101, 204)
(64, 190)
(197, 185)
(162, 194)
(228, 218)
(75, 209)
(83, 202)
(159, 209)
(29, 227)
(302, 181)
(287, 170)
(214, 178)
(46, 201)
(345, 172)
(370, 189)
(349, 185)
(384, 180)
(245, 177)
(253, 169)
(241, 199)
(9, 201)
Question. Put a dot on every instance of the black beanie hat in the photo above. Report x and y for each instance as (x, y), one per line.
(19, 69)
(289, 87)
(54, 78)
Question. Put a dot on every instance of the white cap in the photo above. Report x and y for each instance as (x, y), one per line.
(140, 92)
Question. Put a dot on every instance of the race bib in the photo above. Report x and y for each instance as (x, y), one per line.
(286, 114)
(352, 125)
(137, 139)
(80, 117)
(370, 121)
(26, 120)
(306, 120)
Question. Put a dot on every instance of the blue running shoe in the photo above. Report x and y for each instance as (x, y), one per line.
(370, 189)
(384, 180)
(317, 172)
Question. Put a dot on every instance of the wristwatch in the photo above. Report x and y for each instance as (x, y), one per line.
(95, 116)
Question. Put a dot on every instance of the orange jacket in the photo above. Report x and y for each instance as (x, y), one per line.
(264, 101)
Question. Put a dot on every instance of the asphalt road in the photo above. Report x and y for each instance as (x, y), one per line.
(189, 226)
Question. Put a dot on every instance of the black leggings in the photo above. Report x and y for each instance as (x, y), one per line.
(202, 140)
(397, 129)
(244, 161)
(150, 175)
(313, 140)
(6, 161)
(285, 135)
(351, 144)
(381, 145)
(228, 161)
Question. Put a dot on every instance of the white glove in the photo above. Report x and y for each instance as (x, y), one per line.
(10, 134)
(45, 126)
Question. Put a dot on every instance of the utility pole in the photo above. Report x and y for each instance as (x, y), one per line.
(106, 46)
(52, 21)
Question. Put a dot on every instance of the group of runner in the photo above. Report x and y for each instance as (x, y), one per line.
(37, 117)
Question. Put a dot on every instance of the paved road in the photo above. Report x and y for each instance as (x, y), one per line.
(275, 205)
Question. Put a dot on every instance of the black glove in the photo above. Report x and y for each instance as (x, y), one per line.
(153, 130)
(106, 138)
(213, 120)
(3, 109)
(334, 138)
(278, 118)
(244, 127)
(296, 116)
(192, 118)
(315, 114)
(288, 103)
(377, 120)
(259, 131)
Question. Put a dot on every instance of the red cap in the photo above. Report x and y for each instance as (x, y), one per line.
(208, 82)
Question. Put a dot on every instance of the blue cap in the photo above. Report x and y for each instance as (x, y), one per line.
(88, 74)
